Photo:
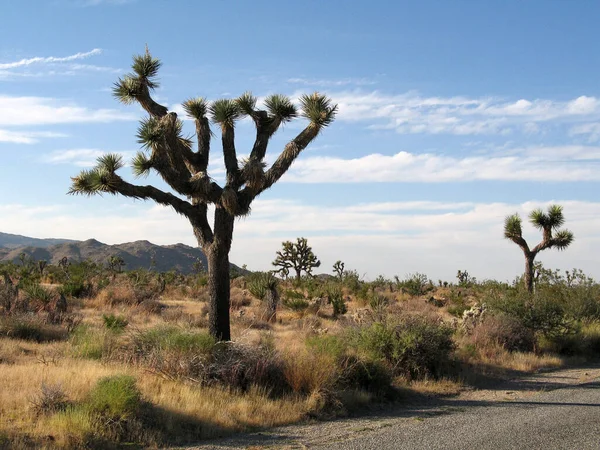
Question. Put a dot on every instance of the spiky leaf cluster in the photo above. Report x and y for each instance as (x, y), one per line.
(146, 68)
(281, 107)
(512, 227)
(225, 112)
(129, 88)
(246, 103)
(149, 133)
(562, 239)
(141, 164)
(196, 107)
(318, 109)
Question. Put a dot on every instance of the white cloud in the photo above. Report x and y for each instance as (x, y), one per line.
(566, 163)
(19, 111)
(49, 59)
(435, 238)
(24, 137)
(590, 129)
(330, 83)
(84, 157)
(413, 113)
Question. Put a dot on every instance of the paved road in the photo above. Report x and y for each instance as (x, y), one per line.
(557, 411)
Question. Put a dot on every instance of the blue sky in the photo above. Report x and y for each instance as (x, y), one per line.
(451, 116)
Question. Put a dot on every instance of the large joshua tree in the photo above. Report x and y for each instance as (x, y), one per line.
(172, 155)
(549, 223)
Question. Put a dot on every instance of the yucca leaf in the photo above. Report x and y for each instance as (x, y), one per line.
(555, 216)
(538, 219)
(246, 103)
(195, 107)
(562, 239)
(111, 162)
(512, 227)
(127, 89)
(146, 68)
(149, 133)
(318, 109)
(141, 164)
(225, 112)
(281, 107)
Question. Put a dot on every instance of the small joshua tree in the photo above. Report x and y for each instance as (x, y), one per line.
(298, 256)
(172, 156)
(338, 268)
(549, 223)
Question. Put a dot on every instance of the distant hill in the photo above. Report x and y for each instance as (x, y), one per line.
(15, 241)
(136, 254)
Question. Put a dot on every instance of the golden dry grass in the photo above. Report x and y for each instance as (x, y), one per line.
(210, 411)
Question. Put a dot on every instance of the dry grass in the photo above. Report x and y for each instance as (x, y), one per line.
(190, 411)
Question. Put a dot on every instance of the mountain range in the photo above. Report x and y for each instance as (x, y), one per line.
(138, 254)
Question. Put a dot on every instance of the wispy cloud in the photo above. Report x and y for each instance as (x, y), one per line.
(82, 157)
(412, 113)
(49, 59)
(565, 163)
(26, 111)
(331, 82)
(45, 66)
(25, 137)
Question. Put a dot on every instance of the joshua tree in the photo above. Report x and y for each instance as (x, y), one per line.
(115, 264)
(184, 169)
(549, 223)
(298, 256)
(338, 268)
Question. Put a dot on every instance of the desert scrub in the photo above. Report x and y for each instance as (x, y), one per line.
(414, 347)
(114, 323)
(110, 413)
(30, 327)
(92, 343)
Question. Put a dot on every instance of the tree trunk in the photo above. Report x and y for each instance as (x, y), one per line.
(529, 258)
(218, 292)
(217, 255)
(298, 274)
(271, 300)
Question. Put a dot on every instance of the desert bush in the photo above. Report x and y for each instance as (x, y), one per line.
(91, 343)
(115, 397)
(295, 300)
(415, 284)
(505, 331)
(259, 283)
(31, 328)
(150, 306)
(584, 341)
(114, 323)
(335, 297)
(50, 399)
(36, 292)
(330, 365)
(414, 347)
(542, 312)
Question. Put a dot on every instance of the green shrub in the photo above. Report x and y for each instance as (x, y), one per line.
(34, 291)
(260, 283)
(336, 298)
(115, 397)
(295, 300)
(415, 347)
(505, 331)
(114, 323)
(169, 338)
(331, 346)
(91, 343)
(415, 284)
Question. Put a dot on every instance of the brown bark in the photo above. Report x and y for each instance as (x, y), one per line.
(218, 291)
(217, 254)
(529, 259)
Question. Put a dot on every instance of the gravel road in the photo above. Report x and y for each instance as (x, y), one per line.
(553, 410)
